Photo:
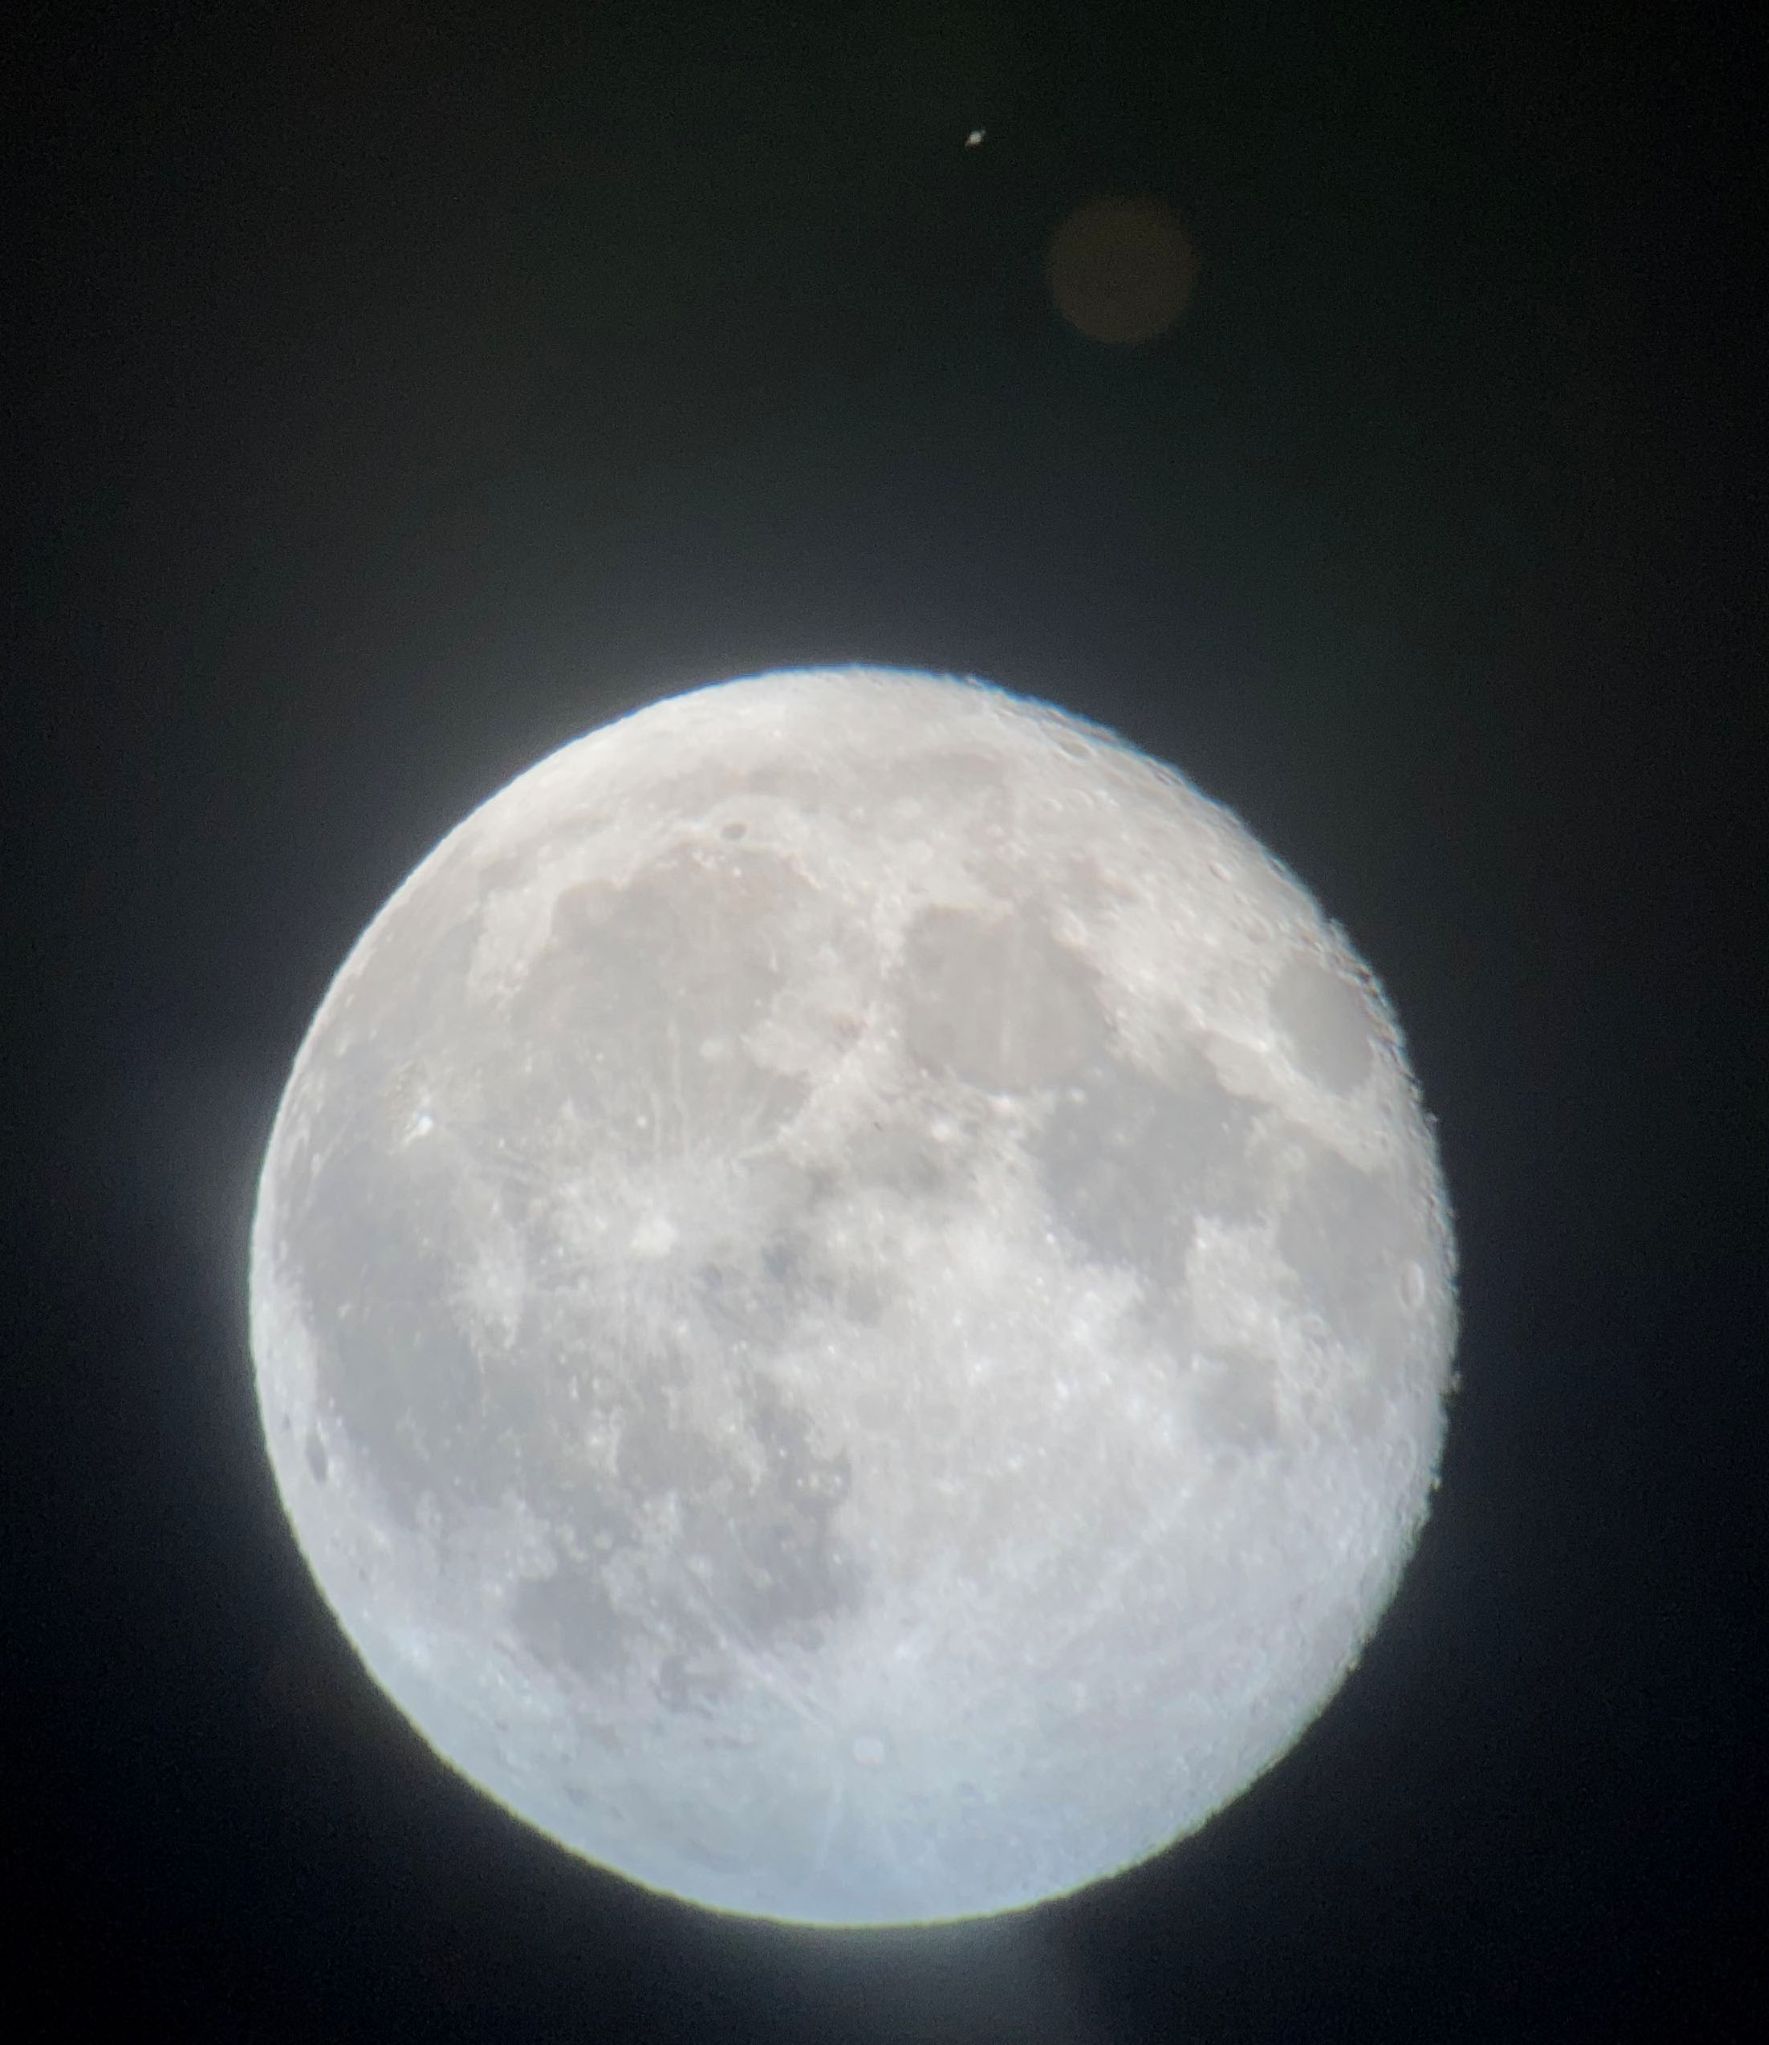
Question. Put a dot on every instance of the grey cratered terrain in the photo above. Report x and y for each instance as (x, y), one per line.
(853, 1301)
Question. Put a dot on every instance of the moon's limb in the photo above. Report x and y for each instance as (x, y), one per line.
(853, 1300)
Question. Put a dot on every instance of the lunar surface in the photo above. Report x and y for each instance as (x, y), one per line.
(853, 1300)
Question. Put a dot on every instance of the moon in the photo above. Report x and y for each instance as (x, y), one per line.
(853, 1300)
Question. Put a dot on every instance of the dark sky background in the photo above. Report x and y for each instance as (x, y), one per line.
(402, 391)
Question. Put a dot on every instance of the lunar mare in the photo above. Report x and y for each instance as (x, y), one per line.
(853, 1300)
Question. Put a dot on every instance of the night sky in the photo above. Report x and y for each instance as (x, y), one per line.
(402, 391)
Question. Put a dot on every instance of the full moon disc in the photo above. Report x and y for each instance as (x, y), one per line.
(853, 1301)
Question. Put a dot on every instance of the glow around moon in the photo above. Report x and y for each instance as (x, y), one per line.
(853, 1301)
